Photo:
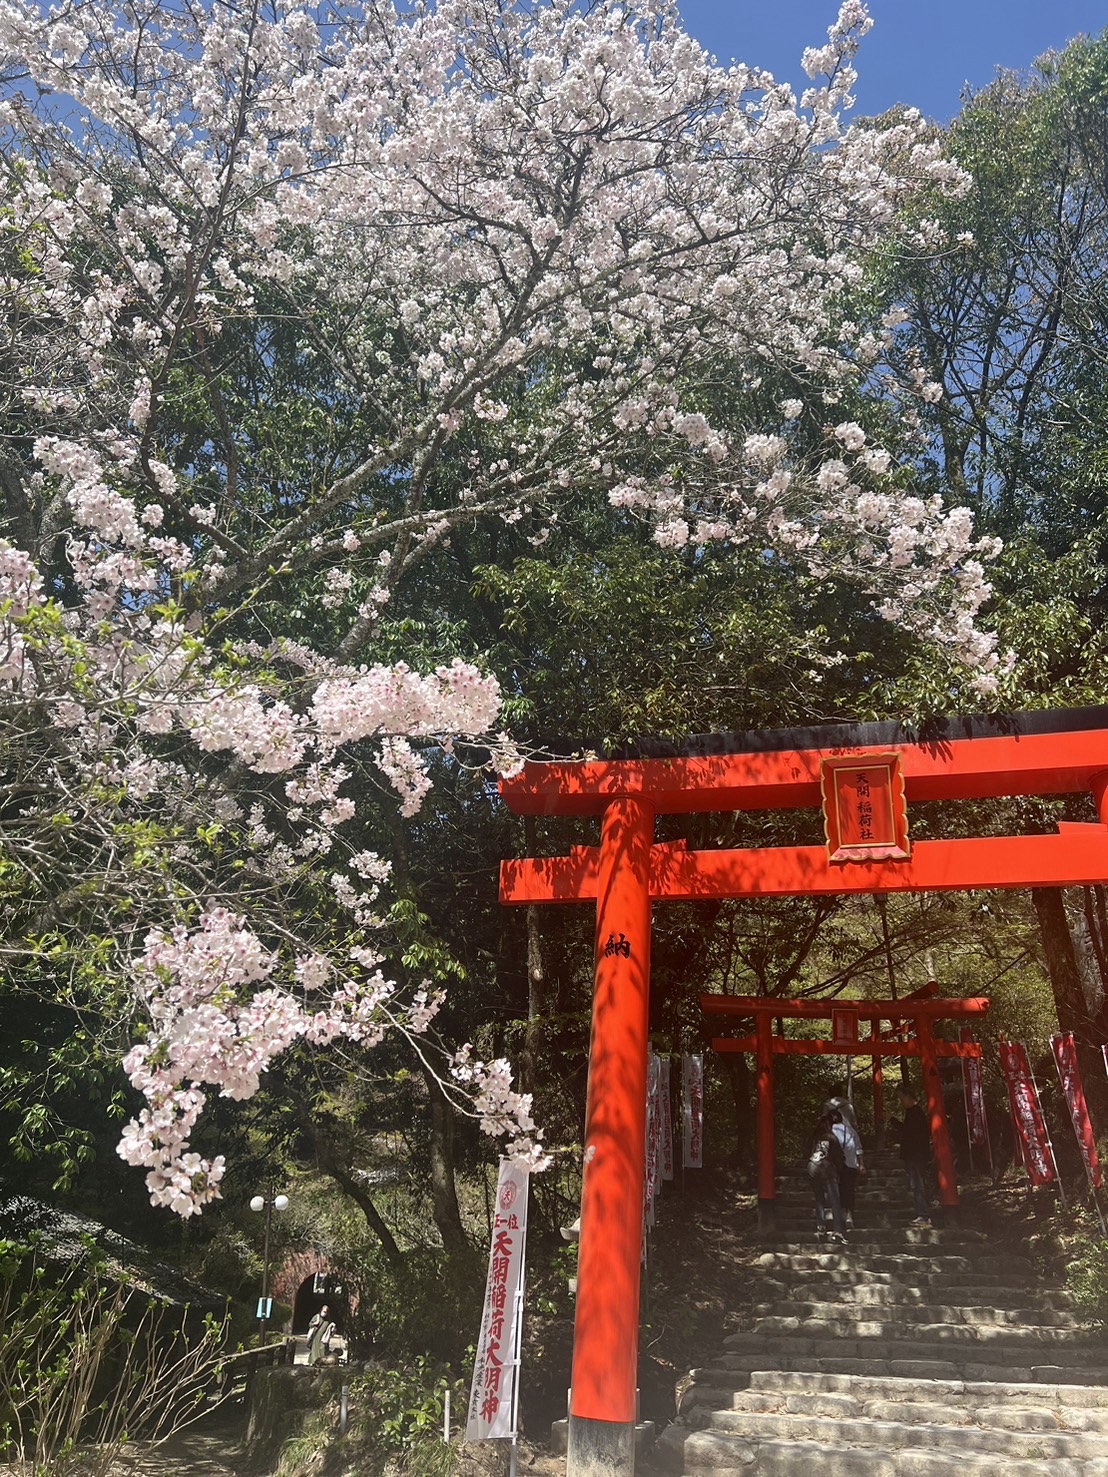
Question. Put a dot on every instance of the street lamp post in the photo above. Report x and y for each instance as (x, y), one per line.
(268, 1203)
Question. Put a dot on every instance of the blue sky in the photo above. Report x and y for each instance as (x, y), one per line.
(920, 52)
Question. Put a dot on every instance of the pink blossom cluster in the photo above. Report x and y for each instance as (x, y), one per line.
(499, 1107)
(376, 165)
(211, 1025)
(20, 591)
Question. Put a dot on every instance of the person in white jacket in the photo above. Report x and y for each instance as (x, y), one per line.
(848, 1136)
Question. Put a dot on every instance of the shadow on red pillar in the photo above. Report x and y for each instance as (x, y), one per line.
(936, 1114)
(605, 1348)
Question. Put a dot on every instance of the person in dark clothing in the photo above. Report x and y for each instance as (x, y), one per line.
(915, 1153)
(825, 1163)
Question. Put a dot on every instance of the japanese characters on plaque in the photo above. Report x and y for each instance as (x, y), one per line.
(864, 814)
(496, 1368)
(844, 1028)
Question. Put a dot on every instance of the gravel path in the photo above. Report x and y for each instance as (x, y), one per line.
(210, 1448)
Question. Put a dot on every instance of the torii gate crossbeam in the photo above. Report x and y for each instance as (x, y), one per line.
(1028, 754)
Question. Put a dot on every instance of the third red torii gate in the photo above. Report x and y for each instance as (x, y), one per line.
(915, 1012)
(864, 777)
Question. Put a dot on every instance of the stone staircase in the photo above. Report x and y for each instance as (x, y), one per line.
(910, 1352)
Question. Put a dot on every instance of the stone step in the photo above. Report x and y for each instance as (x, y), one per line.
(876, 1222)
(728, 1455)
(868, 1239)
(803, 1197)
(736, 1371)
(1035, 1410)
(1009, 1407)
(857, 1327)
(809, 1307)
(917, 1344)
(874, 1197)
(865, 1287)
(927, 1410)
(934, 1435)
(907, 1265)
(1069, 1400)
(890, 1203)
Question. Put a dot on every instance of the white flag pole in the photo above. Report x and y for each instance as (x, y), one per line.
(988, 1131)
(513, 1460)
(965, 1106)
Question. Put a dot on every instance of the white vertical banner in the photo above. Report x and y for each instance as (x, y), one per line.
(492, 1398)
(667, 1121)
(692, 1109)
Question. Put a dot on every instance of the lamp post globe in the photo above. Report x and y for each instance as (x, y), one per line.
(268, 1203)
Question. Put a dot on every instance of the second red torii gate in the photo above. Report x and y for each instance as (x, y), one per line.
(915, 1012)
(865, 776)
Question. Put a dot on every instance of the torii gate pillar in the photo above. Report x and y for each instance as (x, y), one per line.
(606, 1328)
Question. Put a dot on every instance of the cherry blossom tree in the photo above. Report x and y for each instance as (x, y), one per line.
(292, 293)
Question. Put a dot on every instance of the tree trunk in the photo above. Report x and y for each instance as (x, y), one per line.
(1061, 961)
(1069, 991)
(444, 1192)
(345, 1179)
(538, 985)
(331, 1164)
(738, 1071)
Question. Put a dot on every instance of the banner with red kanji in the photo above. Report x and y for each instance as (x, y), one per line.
(1069, 1075)
(496, 1368)
(1027, 1115)
(974, 1086)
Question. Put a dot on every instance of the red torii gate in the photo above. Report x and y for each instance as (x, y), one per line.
(918, 1012)
(864, 776)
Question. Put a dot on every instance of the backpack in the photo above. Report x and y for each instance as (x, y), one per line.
(826, 1158)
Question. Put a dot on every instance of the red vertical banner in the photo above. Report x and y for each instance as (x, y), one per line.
(1069, 1075)
(972, 1081)
(1027, 1115)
